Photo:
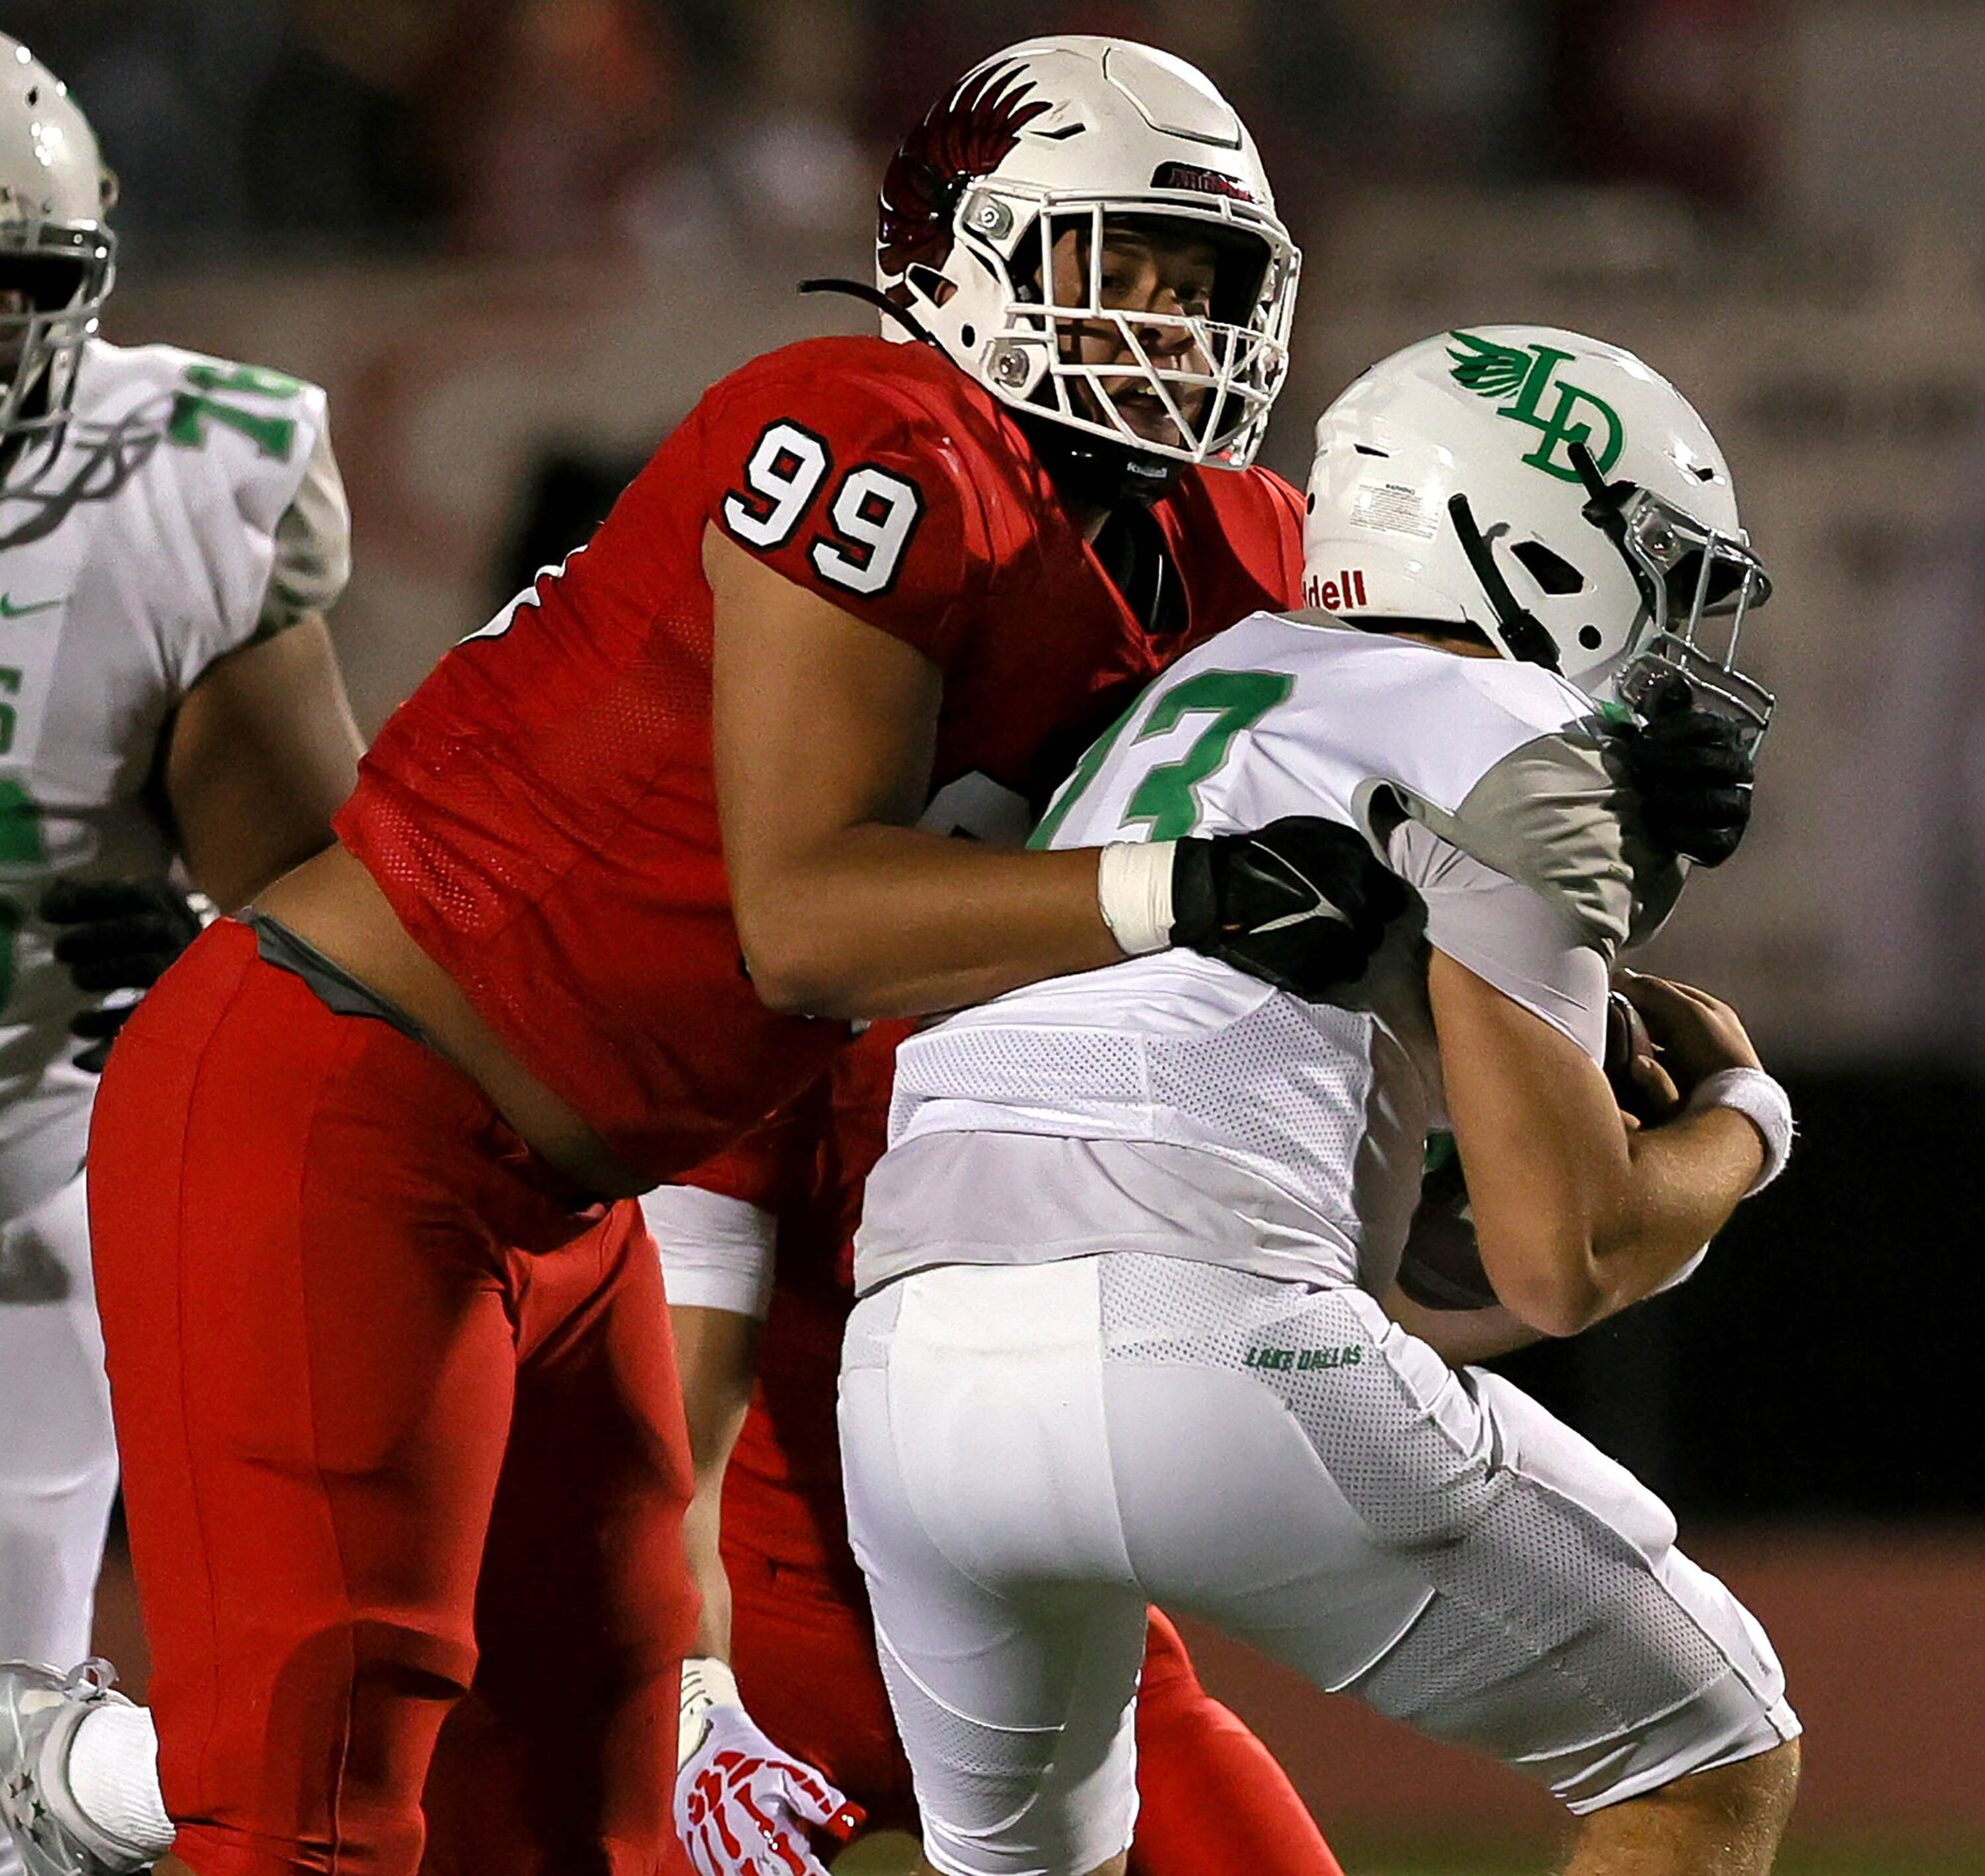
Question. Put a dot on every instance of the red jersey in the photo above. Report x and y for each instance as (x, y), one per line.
(540, 812)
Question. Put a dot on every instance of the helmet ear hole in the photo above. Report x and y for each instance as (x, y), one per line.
(1590, 638)
(1553, 571)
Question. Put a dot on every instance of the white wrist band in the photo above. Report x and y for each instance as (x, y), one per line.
(1763, 1102)
(1681, 1276)
(706, 1682)
(1134, 894)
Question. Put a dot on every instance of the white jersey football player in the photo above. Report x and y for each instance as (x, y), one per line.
(1127, 1267)
(172, 528)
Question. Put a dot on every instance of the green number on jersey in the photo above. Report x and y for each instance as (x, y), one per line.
(1085, 773)
(10, 688)
(1236, 701)
(20, 845)
(192, 410)
(1165, 799)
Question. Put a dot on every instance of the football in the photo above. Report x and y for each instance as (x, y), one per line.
(1628, 1039)
(1441, 1267)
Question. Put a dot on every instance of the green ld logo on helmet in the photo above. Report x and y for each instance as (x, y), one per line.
(1559, 412)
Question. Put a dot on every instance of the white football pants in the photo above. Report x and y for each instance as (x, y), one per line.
(58, 1459)
(1035, 1453)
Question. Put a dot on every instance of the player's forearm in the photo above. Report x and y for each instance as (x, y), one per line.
(1674, 1190)
(700, 1528)
(1460, 1336)
(718, 1360)
(1576, 1217)
(1686, 1178)
(888, 921)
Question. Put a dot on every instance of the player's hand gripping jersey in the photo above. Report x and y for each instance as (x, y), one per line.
(190, 507)
(1282, 1137)
(541, 813)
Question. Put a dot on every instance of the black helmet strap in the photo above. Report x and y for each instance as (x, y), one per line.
(1518, 628)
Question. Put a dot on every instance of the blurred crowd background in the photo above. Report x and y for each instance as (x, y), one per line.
(516, 239)
(523, 128)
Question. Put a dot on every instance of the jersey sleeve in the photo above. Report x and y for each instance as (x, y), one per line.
(1550, 814)
(268, 529)
(856, 492)
(313, 545)
(1538, 950)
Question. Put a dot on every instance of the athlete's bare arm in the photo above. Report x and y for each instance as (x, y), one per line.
(262, 752)
(717, 1355)
(1576, 1215)
(824, 732)
(1460, 1336)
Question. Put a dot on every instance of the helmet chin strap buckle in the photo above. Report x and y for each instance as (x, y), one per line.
(1518, 628)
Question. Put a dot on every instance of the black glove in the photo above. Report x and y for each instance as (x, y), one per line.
(1301, 904)
(1692, 773)
(121, 934)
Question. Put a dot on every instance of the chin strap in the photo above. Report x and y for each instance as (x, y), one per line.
(860, 290)
(1519, 628)
(1096, 470)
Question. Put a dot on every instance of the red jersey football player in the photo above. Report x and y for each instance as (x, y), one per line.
(757, 1248)
(395, 1390)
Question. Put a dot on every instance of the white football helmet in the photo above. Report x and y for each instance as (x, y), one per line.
(55, 245)
(1548, 490)
(1075, 132)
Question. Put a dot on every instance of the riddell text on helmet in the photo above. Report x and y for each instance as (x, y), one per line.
(1336, 595)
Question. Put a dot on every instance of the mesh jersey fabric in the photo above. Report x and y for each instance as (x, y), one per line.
(541, 813)
(1332, 1105)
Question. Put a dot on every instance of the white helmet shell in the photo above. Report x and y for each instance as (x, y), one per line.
(55, 243)
(1595, 493)
(1067, 133)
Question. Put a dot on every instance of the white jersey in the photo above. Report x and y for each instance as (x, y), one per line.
(1169, 1101)
(190, 507)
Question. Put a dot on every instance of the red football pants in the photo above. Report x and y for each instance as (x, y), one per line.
(1210, 1795)
(397, 1422)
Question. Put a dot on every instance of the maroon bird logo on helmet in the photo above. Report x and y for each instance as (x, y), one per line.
(962, 137)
